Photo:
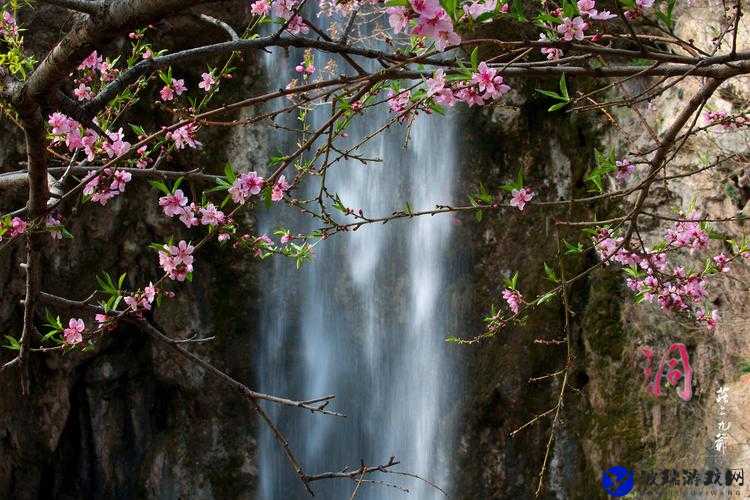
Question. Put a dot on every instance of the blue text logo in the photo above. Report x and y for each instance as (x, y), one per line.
(617, 481)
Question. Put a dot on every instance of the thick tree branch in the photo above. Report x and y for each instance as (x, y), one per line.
(91, 7)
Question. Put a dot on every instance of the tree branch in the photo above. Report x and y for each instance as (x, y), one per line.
(90, 7)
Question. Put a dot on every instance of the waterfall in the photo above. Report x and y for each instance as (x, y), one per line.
(367, 318)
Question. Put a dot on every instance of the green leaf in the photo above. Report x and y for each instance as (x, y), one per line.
(160, 186)
(177, 184)
(551, 274)
(397, 3)
(571, 249)
(551, 94)
(517, 10)
(475, 58)
(229, 173)
(564, 87)
(557, 106)
(13, 344)
(545, 298)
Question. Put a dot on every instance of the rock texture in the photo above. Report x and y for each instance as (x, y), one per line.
(609, 418)
(129, 421)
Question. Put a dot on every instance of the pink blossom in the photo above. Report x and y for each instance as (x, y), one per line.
(624, 169)
(471, 96)
(120, 178)
(305, 68)
(179, 86)
(520, 197)
(552, 53)
(514, 299)
(54, 226)
(211, 216)
(437, 90)
(399, 101)
(476, 9)
(262, 242)
(223, 237)
(88, 141)
(17, 227)
(8, 24)
(397, 18)
(177, 261)
(73, 334)
(188, 215)
(286, 238)
(101, 319)
(297, 25)
(425, 7)
(147, 54)
(586, 6)
(173, 204)
(166, 93)
(116, 146)
(710, 321)
(488, 82)
(61, 124)
(688, 234)
(644, 4)
(207, 81)
(604, 15)
(434, 22)
(260, 8)
(246, 185)
(149, 292)
(185, 135)
(83, 92)
(92, 61)
(281, 187)
(722, 262)
(572, 28)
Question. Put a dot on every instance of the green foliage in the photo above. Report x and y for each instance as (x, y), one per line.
(562, 96)
(605, 164)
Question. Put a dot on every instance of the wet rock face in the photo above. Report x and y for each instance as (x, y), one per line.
(611, 419)
(128, 420)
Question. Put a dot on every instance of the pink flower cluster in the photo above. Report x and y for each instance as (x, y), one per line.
(64, 127)
(477, 8)
(90, 66)
(398, 102)
(727, 122)
(637, 11)
(142, 300)
(246, 185)
(587, 8)
(185, 136)
(673, 288)
(431, 21)
(207, 82)
(281, 187)
(485, 85)
(13, 227)
(514, 299)
(306, 68)
(8, 24)
(106, 185)
(169, 91)
(54, 226)
(284, 9)
(520, 197)
(688, 234)
(624, 169)
(74, 333)
(177, 260)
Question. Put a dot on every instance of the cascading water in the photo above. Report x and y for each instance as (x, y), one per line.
(366, 319)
